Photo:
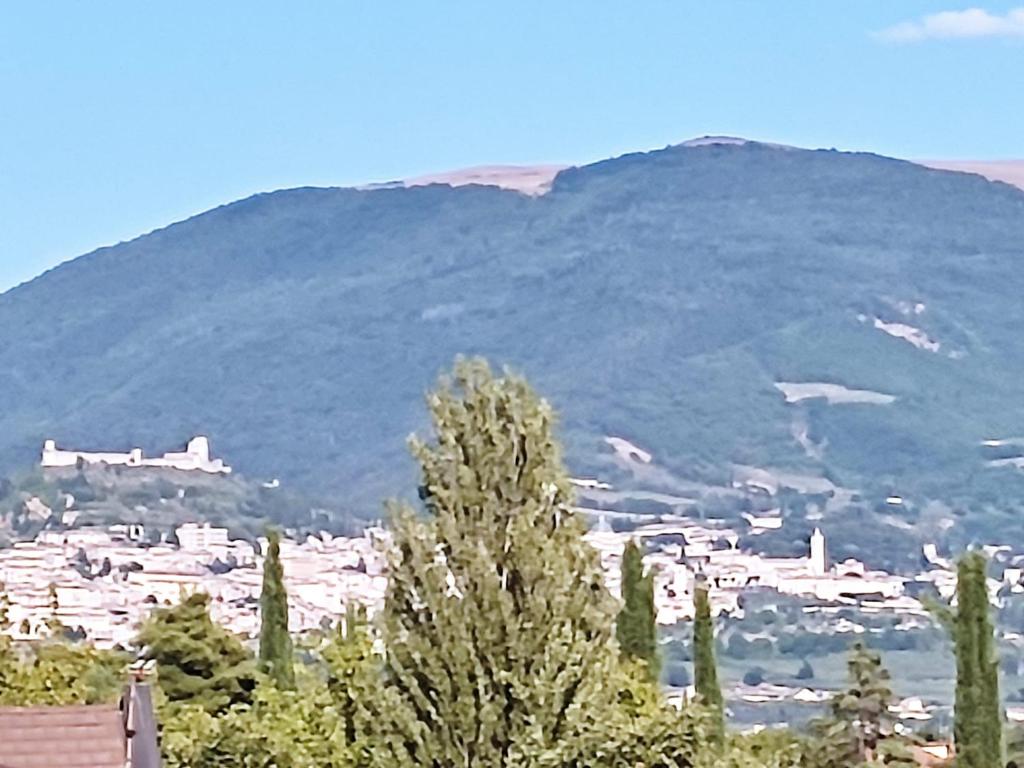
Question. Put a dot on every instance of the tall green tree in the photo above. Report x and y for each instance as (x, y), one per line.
(636, 628)
(276, 653)
(861, 729)
(705, 670)
(977, 726)
(497, 624)
(197, 660)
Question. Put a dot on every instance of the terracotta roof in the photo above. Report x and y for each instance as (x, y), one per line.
(62, 737)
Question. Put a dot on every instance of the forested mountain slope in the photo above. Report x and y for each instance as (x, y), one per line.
(669, 298)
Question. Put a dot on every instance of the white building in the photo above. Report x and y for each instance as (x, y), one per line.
(201, 538)
(195, 457)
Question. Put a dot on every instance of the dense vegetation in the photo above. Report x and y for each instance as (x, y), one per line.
(299, 328)
(160, 500)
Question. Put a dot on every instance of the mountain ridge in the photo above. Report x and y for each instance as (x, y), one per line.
(535, 178)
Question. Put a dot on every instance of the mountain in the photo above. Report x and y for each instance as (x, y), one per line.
(710, 319)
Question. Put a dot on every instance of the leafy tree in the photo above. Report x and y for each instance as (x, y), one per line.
(771, 748)
(278, 729)
(637, 729)
(197, 661)
(317, 723)
(186, 733)
(497, 625)
(754, 676)
(275, 642)
(636, 628)
(705, 670)
(59, 673)
(678, 676)
(352, 674)
(860, 728)
(55, 673)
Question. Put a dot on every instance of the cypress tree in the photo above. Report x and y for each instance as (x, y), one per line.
(497, 625)
(705, 671)
(636, 628)
(977, 726)
(991, 714)
(275, 642)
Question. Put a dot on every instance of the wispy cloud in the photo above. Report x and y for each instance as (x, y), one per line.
(947, 25)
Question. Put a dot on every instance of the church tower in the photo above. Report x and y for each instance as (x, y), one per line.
(819, 555)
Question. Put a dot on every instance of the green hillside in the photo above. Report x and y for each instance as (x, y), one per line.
(160, 500)
(656, 297)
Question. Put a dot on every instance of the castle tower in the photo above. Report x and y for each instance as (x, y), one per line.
(819, 555)
(199, 446)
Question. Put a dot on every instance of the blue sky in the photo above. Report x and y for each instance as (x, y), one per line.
(119, 117)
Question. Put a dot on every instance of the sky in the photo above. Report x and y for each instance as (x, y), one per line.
(120, 117)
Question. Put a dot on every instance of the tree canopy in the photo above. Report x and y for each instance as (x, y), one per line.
(497, 624)
(197, 660)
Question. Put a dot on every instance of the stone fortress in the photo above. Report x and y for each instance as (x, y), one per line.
(195, 458)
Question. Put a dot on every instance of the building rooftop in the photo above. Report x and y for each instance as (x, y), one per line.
(72, 737)
(81, 736)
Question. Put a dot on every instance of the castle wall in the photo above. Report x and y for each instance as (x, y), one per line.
(196, 457)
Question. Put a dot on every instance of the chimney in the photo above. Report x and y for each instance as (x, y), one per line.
(139, 719)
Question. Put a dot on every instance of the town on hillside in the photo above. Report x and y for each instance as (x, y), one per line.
(101, 582)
